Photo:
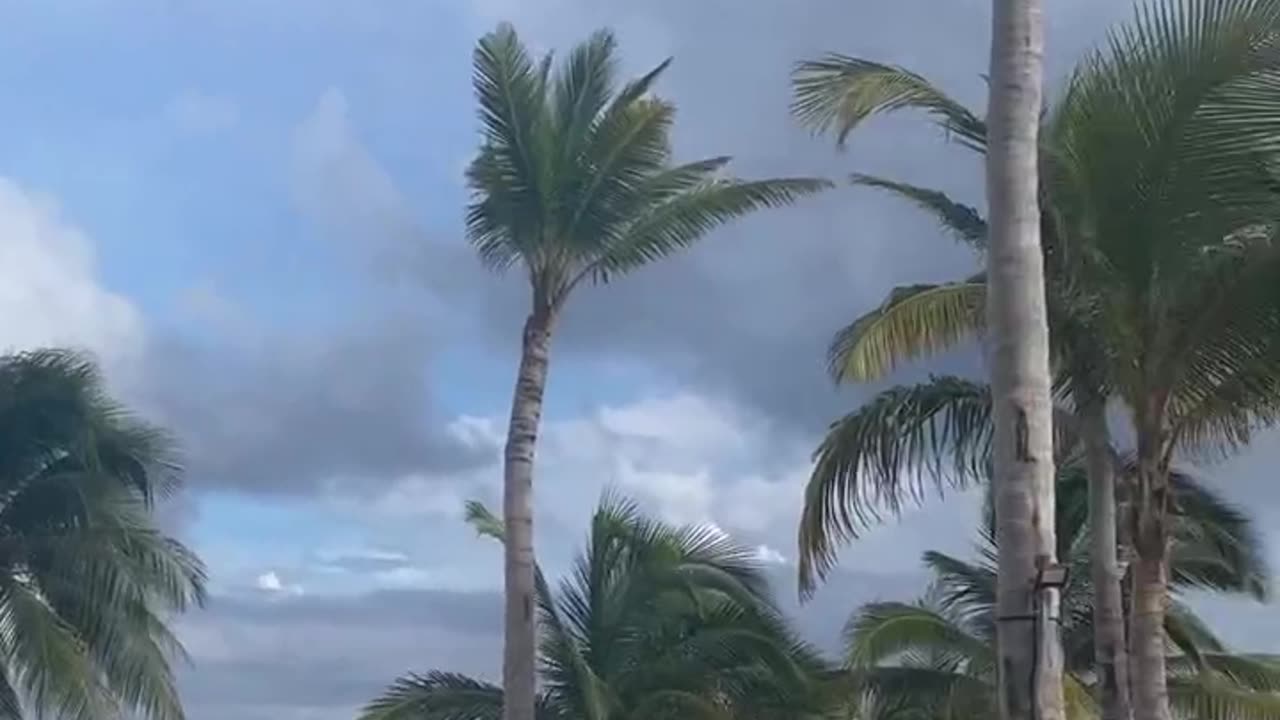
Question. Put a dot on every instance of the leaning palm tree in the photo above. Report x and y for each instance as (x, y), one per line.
(935, 658)
(1159, 201)
(87, 581)
(653, 622)
(574, 183)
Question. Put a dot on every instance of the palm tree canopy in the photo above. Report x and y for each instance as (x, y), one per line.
(87, 582)
(575, 180)
(1158, 206)
(913, 441)
(652, 621)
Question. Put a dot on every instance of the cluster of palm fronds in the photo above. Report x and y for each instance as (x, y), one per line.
(87, 581)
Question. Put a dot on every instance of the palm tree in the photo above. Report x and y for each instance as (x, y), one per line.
(87, 582)
(1030, 657)
(1158, 209)
(934, 658)
(653, 622)
(574, 182)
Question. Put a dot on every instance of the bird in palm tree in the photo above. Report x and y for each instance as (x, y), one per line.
(574, 183)
(1158, 207)
(653, 621)
(934, 658)
(87, 581)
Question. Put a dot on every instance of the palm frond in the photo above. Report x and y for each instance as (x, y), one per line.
(1212, 698)
(508, 176)
(676, 223)
(837, 93)
(884, 631)
(962, 221)
(914, 321)
(436, 696)
(890, 451)
(1216, 546)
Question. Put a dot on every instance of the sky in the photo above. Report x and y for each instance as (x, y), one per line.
(251, 213)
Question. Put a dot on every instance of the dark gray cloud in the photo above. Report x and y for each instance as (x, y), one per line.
(353, 410)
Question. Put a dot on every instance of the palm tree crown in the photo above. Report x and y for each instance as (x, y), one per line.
(86, 580)
(574, 180)
(653, 621)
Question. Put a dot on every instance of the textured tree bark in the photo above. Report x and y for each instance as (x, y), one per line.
(1109, 642)
(1150, 588)
(1029, 647)
(519, 659)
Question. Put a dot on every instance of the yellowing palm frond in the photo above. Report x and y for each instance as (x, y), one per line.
(914, 321)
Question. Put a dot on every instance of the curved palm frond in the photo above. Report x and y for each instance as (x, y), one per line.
(886, 631)
(889, 451)
(914, 321)
(961, 220)
(838, 92)
(437, 696)
(669, 225)
(1216, 546)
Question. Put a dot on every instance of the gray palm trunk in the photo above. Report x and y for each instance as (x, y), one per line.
(1150, 571)
(1109, 641)
(1029, 648)
(519, 659)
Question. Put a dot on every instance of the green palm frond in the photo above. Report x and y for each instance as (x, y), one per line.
(671, 225)
(509, 173)
(885, 631)
(1208, 697)
(914, 321)
(837, 93)
(1216, 546)
(890, 451)
(436, 696)
(962, 221)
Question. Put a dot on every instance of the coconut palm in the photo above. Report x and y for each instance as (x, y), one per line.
(935, 658)
(574, 182)
(1022, 462)
(87, 582)
(1157, 204)
(654, 621)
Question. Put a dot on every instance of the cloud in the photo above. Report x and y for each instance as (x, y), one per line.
(50, 293)
(197, 113)
(270, 583)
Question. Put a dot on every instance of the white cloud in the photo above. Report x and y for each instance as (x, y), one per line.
(194, 112)
(769, 556)
(49, 290)
(271, 584)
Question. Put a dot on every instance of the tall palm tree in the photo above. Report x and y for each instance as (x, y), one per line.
(87, 582)
(574, 182)
(1030, 656)
(1159, 200)
(934, 658)
(653, 622)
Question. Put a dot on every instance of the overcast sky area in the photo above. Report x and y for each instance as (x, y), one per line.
(251, 212)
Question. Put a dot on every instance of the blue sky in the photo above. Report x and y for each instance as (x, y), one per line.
(251, 211)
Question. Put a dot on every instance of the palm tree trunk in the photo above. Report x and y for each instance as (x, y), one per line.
(519, 659)
(1109, 643)
(1029, 647)
(1150, 590)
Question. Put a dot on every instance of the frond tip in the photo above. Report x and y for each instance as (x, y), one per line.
(886, 453)
(838, 92)
(914, 321)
